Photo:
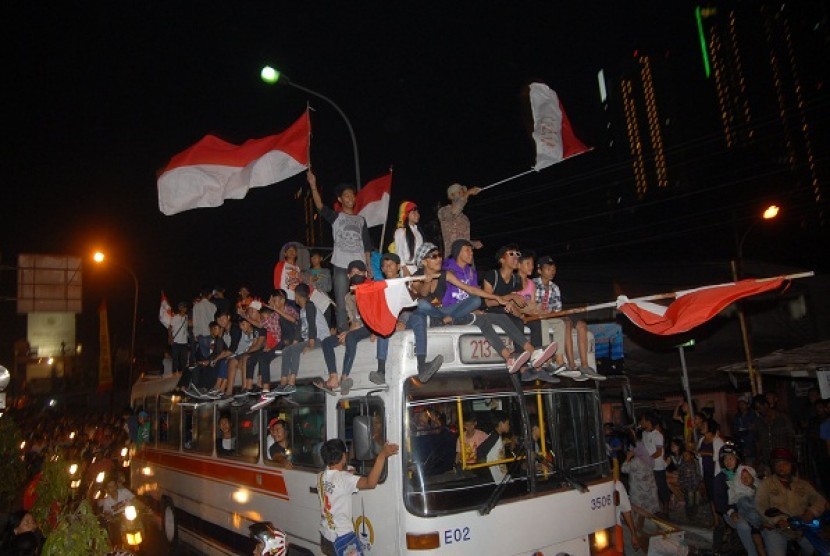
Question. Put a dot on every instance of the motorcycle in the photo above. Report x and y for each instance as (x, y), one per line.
(810, 530)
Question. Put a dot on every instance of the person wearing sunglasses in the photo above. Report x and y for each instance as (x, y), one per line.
(504, 283)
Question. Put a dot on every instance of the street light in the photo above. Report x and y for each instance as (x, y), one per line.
(272, 76)
(99, 258)
(755, 382)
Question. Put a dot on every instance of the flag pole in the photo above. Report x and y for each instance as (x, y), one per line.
(508, 179)
(383, 229)
(657, 296)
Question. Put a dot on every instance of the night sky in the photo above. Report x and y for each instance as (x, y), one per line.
(99, 96)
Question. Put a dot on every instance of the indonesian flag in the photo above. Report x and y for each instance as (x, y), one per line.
(165, 312)
(213, 170)
(552, 131)
(692, 307)
(372, 202)
(380, 303)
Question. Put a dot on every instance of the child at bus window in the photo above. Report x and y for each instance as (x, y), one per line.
(225, 443)
(335, 487)
(278, 445)
(472, 438)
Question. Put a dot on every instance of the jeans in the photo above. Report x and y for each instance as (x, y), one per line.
(353, 337)
(291, 357)
(744, 530)
(263, 359)
(341, 290)
(202, 348)
(776, 543)
(457, 310)
(486, 321)
(181, 353)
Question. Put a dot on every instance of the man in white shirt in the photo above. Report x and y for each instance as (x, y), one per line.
(653, 440)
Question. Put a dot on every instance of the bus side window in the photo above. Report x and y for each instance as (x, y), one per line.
(198, 429)
(294, 432)
(151, 407)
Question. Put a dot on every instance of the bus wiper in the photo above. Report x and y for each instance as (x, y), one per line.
(494, 498)
(572, 481)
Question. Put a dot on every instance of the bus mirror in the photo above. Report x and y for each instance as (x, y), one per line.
(362, 438)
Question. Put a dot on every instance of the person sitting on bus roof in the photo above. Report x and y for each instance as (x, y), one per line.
(313, 329)
(279, 320)
(459, 303)
(277, 445)
(493, 448)
(501, 286)
(548, 299)
(356, 274)
(225, 442)
(251, 340)
(412, 320)
(335, 487)
(231, 335)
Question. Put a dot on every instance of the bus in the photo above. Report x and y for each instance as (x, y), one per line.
(548, 492)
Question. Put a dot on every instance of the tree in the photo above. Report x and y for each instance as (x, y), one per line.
(12, 466)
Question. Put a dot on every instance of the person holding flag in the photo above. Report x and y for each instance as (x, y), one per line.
(178, 337)
(454, 223)
(351, 241)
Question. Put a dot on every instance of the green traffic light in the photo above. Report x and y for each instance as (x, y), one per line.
(269, 75)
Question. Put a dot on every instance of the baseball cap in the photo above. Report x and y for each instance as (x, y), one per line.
(545, 259)
(255, 305)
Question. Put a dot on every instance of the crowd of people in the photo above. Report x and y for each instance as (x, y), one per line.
(95, 449)
(750, 482)
(313, 307)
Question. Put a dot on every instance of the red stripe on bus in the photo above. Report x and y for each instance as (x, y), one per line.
(256, 478)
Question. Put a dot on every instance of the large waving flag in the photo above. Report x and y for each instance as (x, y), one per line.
(165, 312)
(213, 170)
(380, 302)
(552, 132)
(692, 307)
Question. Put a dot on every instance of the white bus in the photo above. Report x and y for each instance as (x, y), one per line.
(556, 497)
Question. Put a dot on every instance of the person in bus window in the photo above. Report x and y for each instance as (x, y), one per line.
(472, 438)
(335, 487)
(494, 447)
(278, 446)
(225, 442)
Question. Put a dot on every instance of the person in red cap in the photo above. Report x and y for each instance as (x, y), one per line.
(408, 237)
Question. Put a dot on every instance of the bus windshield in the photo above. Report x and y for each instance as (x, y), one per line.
(469, 433)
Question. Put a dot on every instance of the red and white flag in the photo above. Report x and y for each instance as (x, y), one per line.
(372, 202)
(552, 132)
(692, 307)
(213, 170)
(165, 312)
(380, 302)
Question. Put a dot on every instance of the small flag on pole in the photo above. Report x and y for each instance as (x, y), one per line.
(692, 307)
(380, 303)
(165, 312)
(552, 132)
(213, 170)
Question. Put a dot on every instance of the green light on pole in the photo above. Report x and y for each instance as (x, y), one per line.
(269, 75)
(702, 38)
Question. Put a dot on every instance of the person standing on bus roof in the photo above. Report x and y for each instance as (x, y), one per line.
(335, 487)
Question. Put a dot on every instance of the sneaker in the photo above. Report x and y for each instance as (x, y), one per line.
(255, 389)
(541, 355)
(564, 370)
(273, 393)
(466, 320)
(515, 363)
(215, 392)
(592, 374)
(290, 389)
(377, 378)
(429, 370)
(346, 384)
(532, 375)
(262, 402)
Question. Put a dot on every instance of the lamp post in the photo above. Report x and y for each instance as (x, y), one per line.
(755, 382)
(99, 258)
(271, 76)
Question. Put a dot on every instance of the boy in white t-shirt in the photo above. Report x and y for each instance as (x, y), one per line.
(336, 486)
